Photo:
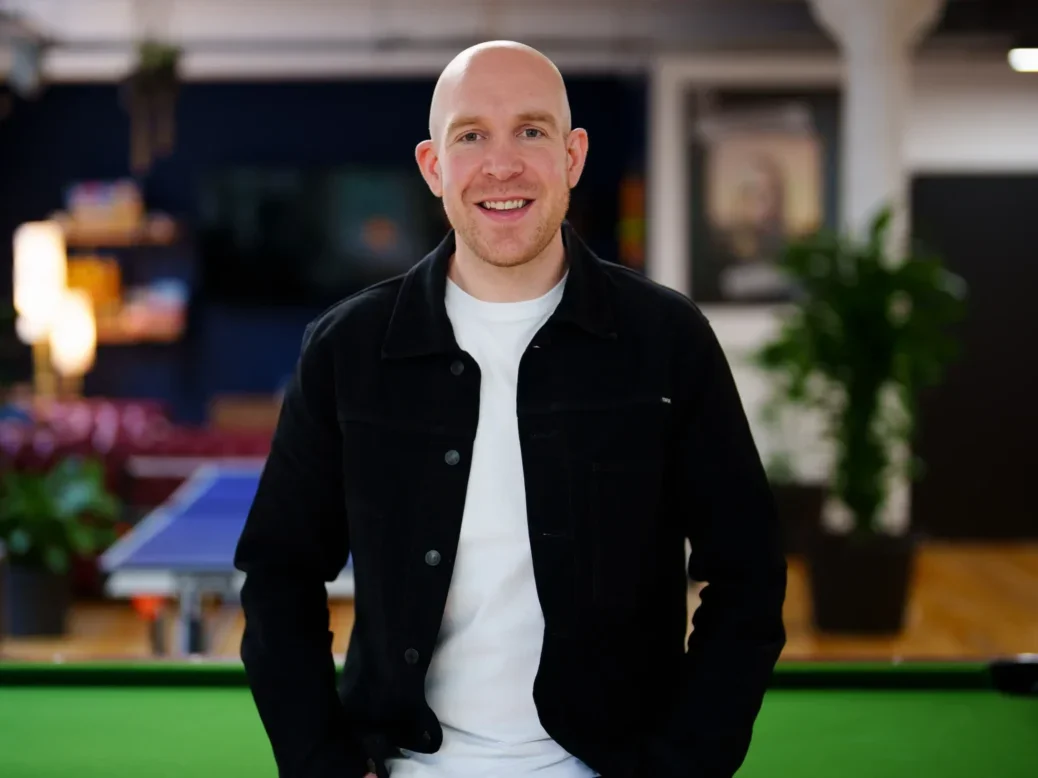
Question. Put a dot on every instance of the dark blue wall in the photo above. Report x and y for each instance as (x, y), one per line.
(79, 132)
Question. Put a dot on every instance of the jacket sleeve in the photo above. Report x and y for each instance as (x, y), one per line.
(295, 540)
(726, 504)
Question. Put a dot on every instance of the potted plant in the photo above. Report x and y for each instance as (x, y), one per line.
(864, 335)
(152, 88)
(46, 520)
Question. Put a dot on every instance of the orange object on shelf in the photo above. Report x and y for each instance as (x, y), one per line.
(99, 276)
(147, 607)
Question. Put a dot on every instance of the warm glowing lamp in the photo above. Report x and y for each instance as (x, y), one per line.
(73, 338)
(40, 271)
(1024, 60)
(40, 276)
(32, 331)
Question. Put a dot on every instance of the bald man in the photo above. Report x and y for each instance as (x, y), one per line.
(513, 442)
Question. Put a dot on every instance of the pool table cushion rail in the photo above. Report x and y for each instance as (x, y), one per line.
(1011, 675)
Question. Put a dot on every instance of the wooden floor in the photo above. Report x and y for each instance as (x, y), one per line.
(968, 602)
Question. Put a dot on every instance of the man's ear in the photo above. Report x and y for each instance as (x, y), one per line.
(429, 164)
(576, 155)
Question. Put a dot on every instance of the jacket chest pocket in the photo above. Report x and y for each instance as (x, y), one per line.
(624, 450)
(385, 468)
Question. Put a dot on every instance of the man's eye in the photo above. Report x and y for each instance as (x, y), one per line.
(468, 137)
(532, 132)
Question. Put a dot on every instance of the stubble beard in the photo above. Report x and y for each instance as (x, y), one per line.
(513, 253)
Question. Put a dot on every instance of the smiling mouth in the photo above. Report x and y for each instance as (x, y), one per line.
(505, 206)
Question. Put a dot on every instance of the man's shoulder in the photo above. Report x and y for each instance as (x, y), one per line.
(360, 317)
(639, 299)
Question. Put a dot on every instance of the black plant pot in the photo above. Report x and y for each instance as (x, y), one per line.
(798, 505)
(36, 602)
(860, 583)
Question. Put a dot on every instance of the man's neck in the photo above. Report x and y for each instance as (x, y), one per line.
(491, 283)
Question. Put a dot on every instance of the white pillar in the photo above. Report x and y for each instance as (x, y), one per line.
(877, 38)
(668, 232)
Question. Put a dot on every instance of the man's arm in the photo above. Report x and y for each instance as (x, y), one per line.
(738, 634)
(295, 540)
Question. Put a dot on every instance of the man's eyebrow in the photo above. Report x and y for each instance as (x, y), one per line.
(539, 117)
(461, 121)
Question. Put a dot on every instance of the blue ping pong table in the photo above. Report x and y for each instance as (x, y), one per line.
(184, 549)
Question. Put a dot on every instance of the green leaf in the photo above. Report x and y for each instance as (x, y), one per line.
(56, 559)
(19, 542)
(82, 539)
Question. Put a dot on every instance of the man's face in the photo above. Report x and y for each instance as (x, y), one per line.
(503, 158)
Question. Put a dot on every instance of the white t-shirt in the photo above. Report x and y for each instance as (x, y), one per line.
(480, 681)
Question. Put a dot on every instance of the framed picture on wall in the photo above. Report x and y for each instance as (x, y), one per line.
(760, 181)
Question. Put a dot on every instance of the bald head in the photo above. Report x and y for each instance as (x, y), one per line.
(502, 153)
(514, 68)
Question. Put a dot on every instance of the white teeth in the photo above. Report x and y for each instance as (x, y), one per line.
(507, 205)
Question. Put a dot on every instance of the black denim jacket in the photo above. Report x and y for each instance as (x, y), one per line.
(633, 440)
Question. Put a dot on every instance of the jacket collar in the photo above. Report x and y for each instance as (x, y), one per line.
(420, 325)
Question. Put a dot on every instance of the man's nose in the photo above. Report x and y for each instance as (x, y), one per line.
(502, 161)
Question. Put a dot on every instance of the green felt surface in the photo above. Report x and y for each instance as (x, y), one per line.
(894, 734)
(198, 721)
(54, 732)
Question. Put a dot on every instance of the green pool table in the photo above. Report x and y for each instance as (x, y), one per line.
(819, 721)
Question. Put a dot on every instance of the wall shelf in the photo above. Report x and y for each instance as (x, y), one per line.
(101, 238)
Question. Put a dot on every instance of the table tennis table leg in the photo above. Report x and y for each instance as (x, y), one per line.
(157, 633)
(191, 627)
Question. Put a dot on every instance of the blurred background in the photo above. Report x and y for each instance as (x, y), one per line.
(184, 184)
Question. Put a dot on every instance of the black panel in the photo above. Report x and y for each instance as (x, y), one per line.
(980, 428)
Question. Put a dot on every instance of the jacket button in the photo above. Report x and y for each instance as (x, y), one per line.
(426, 737)
(411, 656)
(432, 558)
(452, 457)
(457, 367)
